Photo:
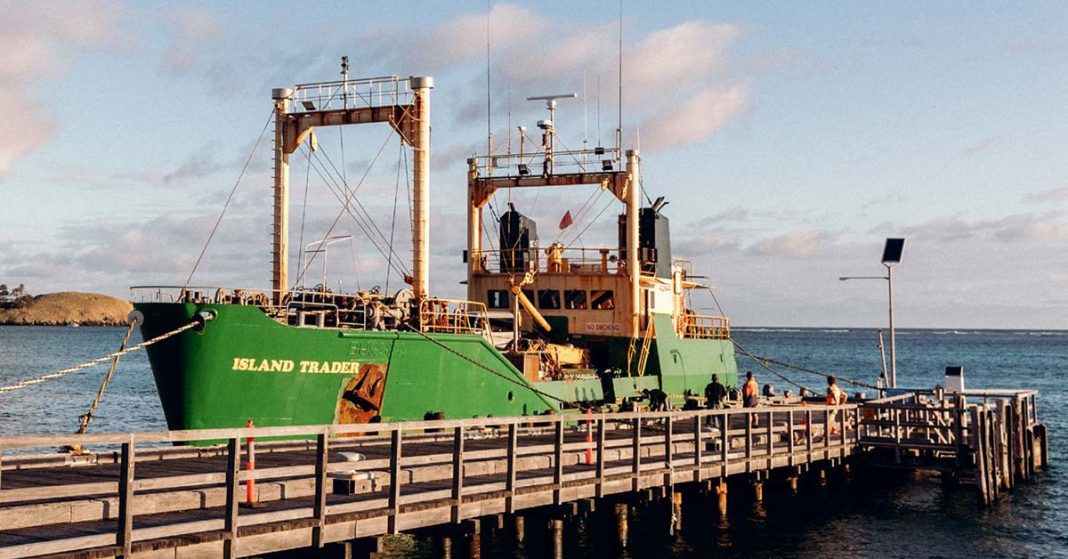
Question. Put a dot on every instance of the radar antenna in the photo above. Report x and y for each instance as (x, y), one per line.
(548, 127)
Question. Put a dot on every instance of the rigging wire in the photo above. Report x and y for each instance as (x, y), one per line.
(365, 218)
(346, 204)
(359, 205)
(304, 212)
(345, 209)
(487, 369)
(229, 198)
(592, 221)
(393, 220)
(763, 361)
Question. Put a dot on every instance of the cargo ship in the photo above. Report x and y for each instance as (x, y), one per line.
(544, 329)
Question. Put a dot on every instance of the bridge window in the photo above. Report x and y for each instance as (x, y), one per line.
(575, 299)
(529, 294)
(497, 299)
(548, 299)
(603, 299)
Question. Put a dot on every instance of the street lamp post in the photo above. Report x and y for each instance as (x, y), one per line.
(891, 256)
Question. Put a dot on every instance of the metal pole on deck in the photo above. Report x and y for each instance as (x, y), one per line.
(250, 465)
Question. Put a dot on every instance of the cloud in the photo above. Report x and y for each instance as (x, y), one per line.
(675, 80)
(1028, 227)
(981, 145)
(945, 229)
(703, 115)
(798, 244)
(463, 39)
(35, 39)
(1048, 195)
(193, 28)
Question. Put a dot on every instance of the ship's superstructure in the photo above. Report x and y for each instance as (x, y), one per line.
(582, 326)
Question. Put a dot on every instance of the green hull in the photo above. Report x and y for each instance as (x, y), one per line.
(243, 365)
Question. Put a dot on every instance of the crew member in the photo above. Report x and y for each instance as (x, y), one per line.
(835, 397)
(715, 393)
(750, 394)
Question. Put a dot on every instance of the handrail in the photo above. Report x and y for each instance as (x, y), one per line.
(453, 316)
(555, 259)
(705, 327)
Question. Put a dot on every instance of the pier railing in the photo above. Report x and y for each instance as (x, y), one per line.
(372, 479)
(992, 437)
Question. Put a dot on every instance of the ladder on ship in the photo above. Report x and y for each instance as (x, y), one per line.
(647, 342)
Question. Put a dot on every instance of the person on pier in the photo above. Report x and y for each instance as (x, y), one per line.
(715, 393)
(751, 394)
(835, 397)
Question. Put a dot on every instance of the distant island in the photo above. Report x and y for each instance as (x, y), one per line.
(63, 308)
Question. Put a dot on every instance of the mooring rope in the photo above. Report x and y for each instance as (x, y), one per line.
(487, 369)
(64, 372)
(763, 362)
(86, 419)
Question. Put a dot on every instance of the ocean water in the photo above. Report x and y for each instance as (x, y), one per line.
(877, 515)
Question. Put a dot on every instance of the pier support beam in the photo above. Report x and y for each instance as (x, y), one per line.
(791, 483)
(519, 527)
(676, 512)
(721, 497)
(363, 548)
(472, 534)
(557, 527)
(622, 512)
(443, 546)
(758, 491)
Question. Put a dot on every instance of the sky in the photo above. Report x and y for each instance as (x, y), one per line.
(790, 139)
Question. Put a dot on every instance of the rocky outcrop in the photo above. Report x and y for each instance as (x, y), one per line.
(67, 307)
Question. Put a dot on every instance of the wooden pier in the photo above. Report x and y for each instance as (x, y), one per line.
(990, 438)
(146, 498)
(141, 494)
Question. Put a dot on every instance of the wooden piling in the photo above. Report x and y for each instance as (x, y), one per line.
(721, 498)
(557, 525)
(622, 512)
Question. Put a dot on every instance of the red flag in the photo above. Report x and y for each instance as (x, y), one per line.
(566, 221)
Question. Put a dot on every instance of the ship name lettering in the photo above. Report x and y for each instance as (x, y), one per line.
(263, 365)
(288, 366)
(342, 367)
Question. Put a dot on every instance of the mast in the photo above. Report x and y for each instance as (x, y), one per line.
(300, 110)
(280, 233)
(421, 87)
(633, 266)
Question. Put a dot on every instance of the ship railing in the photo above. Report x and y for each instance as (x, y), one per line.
(323, 308)
(453, 316)
(363, 92)
(200, 294)
(705, 327)
(556, 259)
(532, 163)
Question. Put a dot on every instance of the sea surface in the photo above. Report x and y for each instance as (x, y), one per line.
(865, 516)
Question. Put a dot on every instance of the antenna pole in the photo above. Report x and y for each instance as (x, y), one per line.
(619, 125)
(489, 113)
(585, 121)
(345, 79)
